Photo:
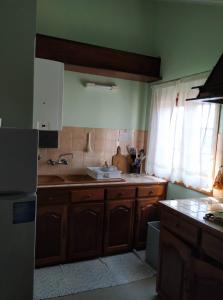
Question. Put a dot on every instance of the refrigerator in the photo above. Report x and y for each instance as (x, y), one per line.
(18, 179)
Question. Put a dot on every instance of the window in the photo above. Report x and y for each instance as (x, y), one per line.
(182, 135)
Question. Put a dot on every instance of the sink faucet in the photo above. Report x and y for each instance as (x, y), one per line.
(61, 160)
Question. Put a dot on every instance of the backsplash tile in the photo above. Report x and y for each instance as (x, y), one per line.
(104, 143)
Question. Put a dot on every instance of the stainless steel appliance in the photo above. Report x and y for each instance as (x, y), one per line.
(18, 177)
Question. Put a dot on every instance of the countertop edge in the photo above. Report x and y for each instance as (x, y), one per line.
(98, 184)
(127, 181)
(217, 230)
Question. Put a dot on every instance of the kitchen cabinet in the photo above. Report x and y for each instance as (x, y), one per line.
(87, 195)
(146, 211)
(118, 226)
(48, 94)
(191, 260)
(173, 269)
(153, 190)
(181, 227)
(76, 223)
(51, 234)
(206, 281)
(85, 230)
(212, 247)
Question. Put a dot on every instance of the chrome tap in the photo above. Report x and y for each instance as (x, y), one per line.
(61, 160)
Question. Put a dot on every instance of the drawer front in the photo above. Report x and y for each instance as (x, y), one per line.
(121, 193)
(87, 195)
(151, 191)
(182, 228)
(212, 246)
(52, 196)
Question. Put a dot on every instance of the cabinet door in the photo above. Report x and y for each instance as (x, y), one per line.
(173, 267)
(51, 232)
(85, 230)
(146, 211)
(48, 94)
(119, 226)
(206, 281)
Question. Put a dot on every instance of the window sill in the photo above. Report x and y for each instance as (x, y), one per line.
(210, 194)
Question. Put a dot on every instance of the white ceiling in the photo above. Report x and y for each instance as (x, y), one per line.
(210, 2)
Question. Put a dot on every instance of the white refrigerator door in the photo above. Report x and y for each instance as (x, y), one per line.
(18, 160)
(17, 237)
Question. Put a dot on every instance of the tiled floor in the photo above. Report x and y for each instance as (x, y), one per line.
(79, 277)
(139, 290)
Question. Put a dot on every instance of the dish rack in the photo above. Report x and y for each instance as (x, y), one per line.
(101, 173)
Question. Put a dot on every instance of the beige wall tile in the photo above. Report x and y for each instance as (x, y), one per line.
(77, 132)
(106, 134)
(104, 145)
(65, 139)
(78, 144)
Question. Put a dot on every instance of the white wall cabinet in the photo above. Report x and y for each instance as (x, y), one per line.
(48, 94)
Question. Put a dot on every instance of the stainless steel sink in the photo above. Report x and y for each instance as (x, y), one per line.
(49, 179)
(78, 179)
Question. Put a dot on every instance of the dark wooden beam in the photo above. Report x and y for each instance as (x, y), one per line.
(86, 58)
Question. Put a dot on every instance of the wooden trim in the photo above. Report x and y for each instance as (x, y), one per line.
(81, 57)
(110, 73)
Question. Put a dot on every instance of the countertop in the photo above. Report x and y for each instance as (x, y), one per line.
(127, 179)
(196, 208)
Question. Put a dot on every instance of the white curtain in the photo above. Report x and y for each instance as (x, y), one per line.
(182, 135)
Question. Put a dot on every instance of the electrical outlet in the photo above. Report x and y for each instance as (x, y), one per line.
(43, 125)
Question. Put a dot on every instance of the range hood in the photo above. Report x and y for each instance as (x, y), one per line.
(212, 90)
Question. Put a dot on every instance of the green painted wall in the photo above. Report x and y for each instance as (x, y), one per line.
(125, 25)
(188, 39)
(178, 192)
(93, 107)
(17, 33)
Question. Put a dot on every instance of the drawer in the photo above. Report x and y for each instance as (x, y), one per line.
(121, 193)
(151, 191)
(87, 195)
(52, 196)
(212, 246)
(182, 228)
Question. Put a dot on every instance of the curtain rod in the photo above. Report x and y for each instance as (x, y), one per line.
(180, 78)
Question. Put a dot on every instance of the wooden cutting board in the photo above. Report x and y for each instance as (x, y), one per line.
(120, 161)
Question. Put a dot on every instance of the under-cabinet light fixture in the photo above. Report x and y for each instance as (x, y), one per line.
(111, 87)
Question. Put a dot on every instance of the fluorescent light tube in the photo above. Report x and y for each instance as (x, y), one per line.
(110, 87)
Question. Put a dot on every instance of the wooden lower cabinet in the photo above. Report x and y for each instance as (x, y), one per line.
(85, 230)
(119, 218)
(191, 261)
(75, 223)
(146, 211)
(206, 281)
(51, 233)
(173, 267)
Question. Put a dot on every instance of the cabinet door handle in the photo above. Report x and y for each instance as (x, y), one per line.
(120, 195)
(87, 197)
(55, 216)
(151, 193)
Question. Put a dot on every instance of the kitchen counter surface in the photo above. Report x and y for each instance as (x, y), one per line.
(195, 209)
(127, 179)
